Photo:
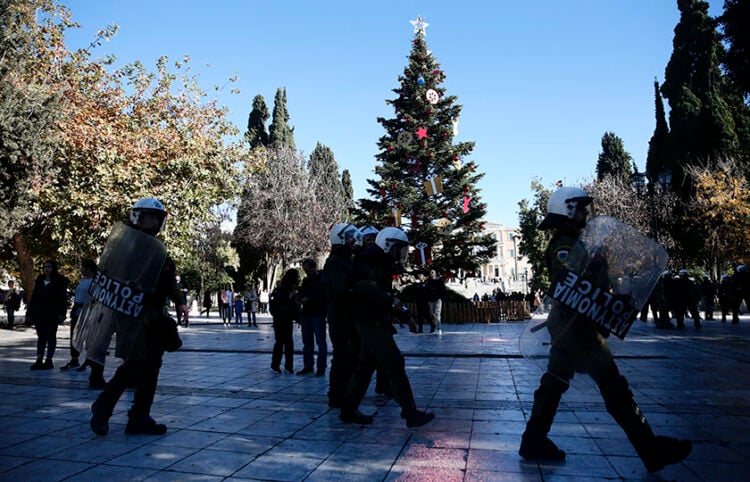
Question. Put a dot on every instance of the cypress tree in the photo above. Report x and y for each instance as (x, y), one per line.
(324, 175)
(279, 130)
(348, 187)
(418, 155)
(735, 22)
(614, 160)
(657, 157)
(701, 123)
(256, 133)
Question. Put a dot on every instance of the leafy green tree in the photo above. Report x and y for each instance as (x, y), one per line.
(614, 160)
(417, 148)
(534, 241)
(31, 93)
(119, 134)
(657, 159)
(279, 131)
(256, 134)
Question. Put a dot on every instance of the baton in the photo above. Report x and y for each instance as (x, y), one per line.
(538, 327)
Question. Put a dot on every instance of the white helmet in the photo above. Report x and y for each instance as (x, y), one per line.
(369, 231)
(394, 242)
(343, 233)
(148, 204)
(562, 205)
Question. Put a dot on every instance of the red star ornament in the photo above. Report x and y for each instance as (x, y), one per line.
(421, 133)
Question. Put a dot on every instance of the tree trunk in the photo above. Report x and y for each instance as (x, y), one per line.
(25, 265)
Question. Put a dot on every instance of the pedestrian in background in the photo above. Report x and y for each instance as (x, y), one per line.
(47, 308)
(81, 298)
(12, 303)
(252, 302)
(313, 320)
(239, 308)
(435, 292)
(285, 311)
(207, 303)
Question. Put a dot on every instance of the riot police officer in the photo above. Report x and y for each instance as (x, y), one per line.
(337, 284)
(141, 342)
(578, 346)
(373, 270)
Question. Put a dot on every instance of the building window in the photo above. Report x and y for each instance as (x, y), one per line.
(511, 253)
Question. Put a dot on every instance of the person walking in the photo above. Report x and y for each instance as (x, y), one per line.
(338, 284)
(252, 301)
(47, 308)
(578, 346)
(423, 307)
(313, 320)
(207, 303)
(373, 270)
(724, 293)
(81, 298)
(141, 342)
(12, 303)
(435, 293)
(285, 311)
(708, 295)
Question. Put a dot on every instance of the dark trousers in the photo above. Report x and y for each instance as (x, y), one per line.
(423, 313)
(141, 373)
(282, 331)
(314, 332)
(74, 354)
(11, 316)
(379, 350)
(346, 343)
(46, 337)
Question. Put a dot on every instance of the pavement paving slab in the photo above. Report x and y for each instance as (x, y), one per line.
(230, 417)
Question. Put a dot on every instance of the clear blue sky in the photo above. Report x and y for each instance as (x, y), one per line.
(540, 82)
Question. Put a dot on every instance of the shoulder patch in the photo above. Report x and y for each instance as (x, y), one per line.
(562, 253)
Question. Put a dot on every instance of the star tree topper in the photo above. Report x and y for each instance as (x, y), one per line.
(419, 25)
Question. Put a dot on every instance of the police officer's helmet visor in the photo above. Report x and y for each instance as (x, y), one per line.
(399, 250)
(346, 233)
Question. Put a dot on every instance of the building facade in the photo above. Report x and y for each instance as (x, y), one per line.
(506, 268)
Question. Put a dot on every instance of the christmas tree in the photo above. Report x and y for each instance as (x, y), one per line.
(427, 184)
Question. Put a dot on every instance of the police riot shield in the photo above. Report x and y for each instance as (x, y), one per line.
(607, 278)
(128, 271)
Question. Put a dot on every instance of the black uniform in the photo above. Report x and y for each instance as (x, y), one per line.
(578, 346)
(373, 272)
(338, 284)
(141, 344)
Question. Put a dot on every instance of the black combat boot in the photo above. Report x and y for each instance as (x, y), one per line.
(143, 424)
(656, 452)
(535, 444)
(355, 416)
(416, 418)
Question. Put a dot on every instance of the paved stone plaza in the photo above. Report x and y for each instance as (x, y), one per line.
(230, 417)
